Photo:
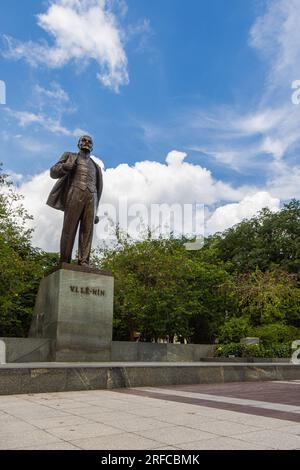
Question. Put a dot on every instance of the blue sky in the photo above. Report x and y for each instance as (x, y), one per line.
(208, 78)
(193, 54)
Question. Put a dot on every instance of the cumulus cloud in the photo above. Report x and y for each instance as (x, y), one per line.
(81, 30)
(144, 184)
(231, 214)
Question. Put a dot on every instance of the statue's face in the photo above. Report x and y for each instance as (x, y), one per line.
(85, 143)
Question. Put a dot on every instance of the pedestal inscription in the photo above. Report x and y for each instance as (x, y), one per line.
(75, 308)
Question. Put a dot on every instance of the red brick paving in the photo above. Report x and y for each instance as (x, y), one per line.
(272, 392)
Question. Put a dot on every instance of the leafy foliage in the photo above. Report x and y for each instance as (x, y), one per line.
(266, 297)
(234, 329)
(22, 266)
(276, 350)
(266, 242)
(276, 333)
(161, 291)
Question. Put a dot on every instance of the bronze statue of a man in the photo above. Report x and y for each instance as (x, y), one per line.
(77, 192)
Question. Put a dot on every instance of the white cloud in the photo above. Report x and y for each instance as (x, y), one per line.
(16, 178)
(25, 118)
(276, 36)
(48, 108)
(285, 183)
(273, 146)
(175, 158)
(47, 222)
(50, 124)
(147, 182)
(81, 31)
(230, 214)
(260, 121)
(56, 92)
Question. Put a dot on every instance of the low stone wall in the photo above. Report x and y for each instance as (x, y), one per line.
(28, 349)
(160, 352)
(42, 378)
(42, 350)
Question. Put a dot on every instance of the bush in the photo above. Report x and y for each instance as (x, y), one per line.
(255, 350)
(278, 350)
(275, 333)
(233, 330)
(230, 349)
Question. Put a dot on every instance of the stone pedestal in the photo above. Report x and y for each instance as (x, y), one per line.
(74, 307)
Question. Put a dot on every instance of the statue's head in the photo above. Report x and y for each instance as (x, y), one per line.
(85, 143)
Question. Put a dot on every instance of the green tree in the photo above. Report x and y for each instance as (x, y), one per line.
(266, 242)
(266, 297)
(22, 266)
(161, 291)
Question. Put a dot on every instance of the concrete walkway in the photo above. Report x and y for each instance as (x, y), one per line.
(260, 415)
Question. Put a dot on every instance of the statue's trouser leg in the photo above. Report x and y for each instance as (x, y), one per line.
(86, 228)
(74, 206)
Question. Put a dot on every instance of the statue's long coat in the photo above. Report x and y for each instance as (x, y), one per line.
(58, 195)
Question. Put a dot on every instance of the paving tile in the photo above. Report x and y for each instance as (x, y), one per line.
(166, 448)
(124, 441)
(100, 401)
(290, 428)
(33, 414)
(173, 435)
(48, 423)
(45, 396)
(273, 439)
(15, 427)
(6, 400)
(26, 439)
(70, 433)
(222, 428)
(95, 412)
(147, 410)
(159, 413)
(185, 419)
(54, 446)
(213, 413)
(59, 404)
(7, 418)
(19, 408)
(133, 423)
(221, 443)
(257, 421)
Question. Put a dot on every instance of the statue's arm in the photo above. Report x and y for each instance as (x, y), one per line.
(62, 167)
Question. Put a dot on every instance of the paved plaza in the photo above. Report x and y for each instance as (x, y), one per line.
(245, 416)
